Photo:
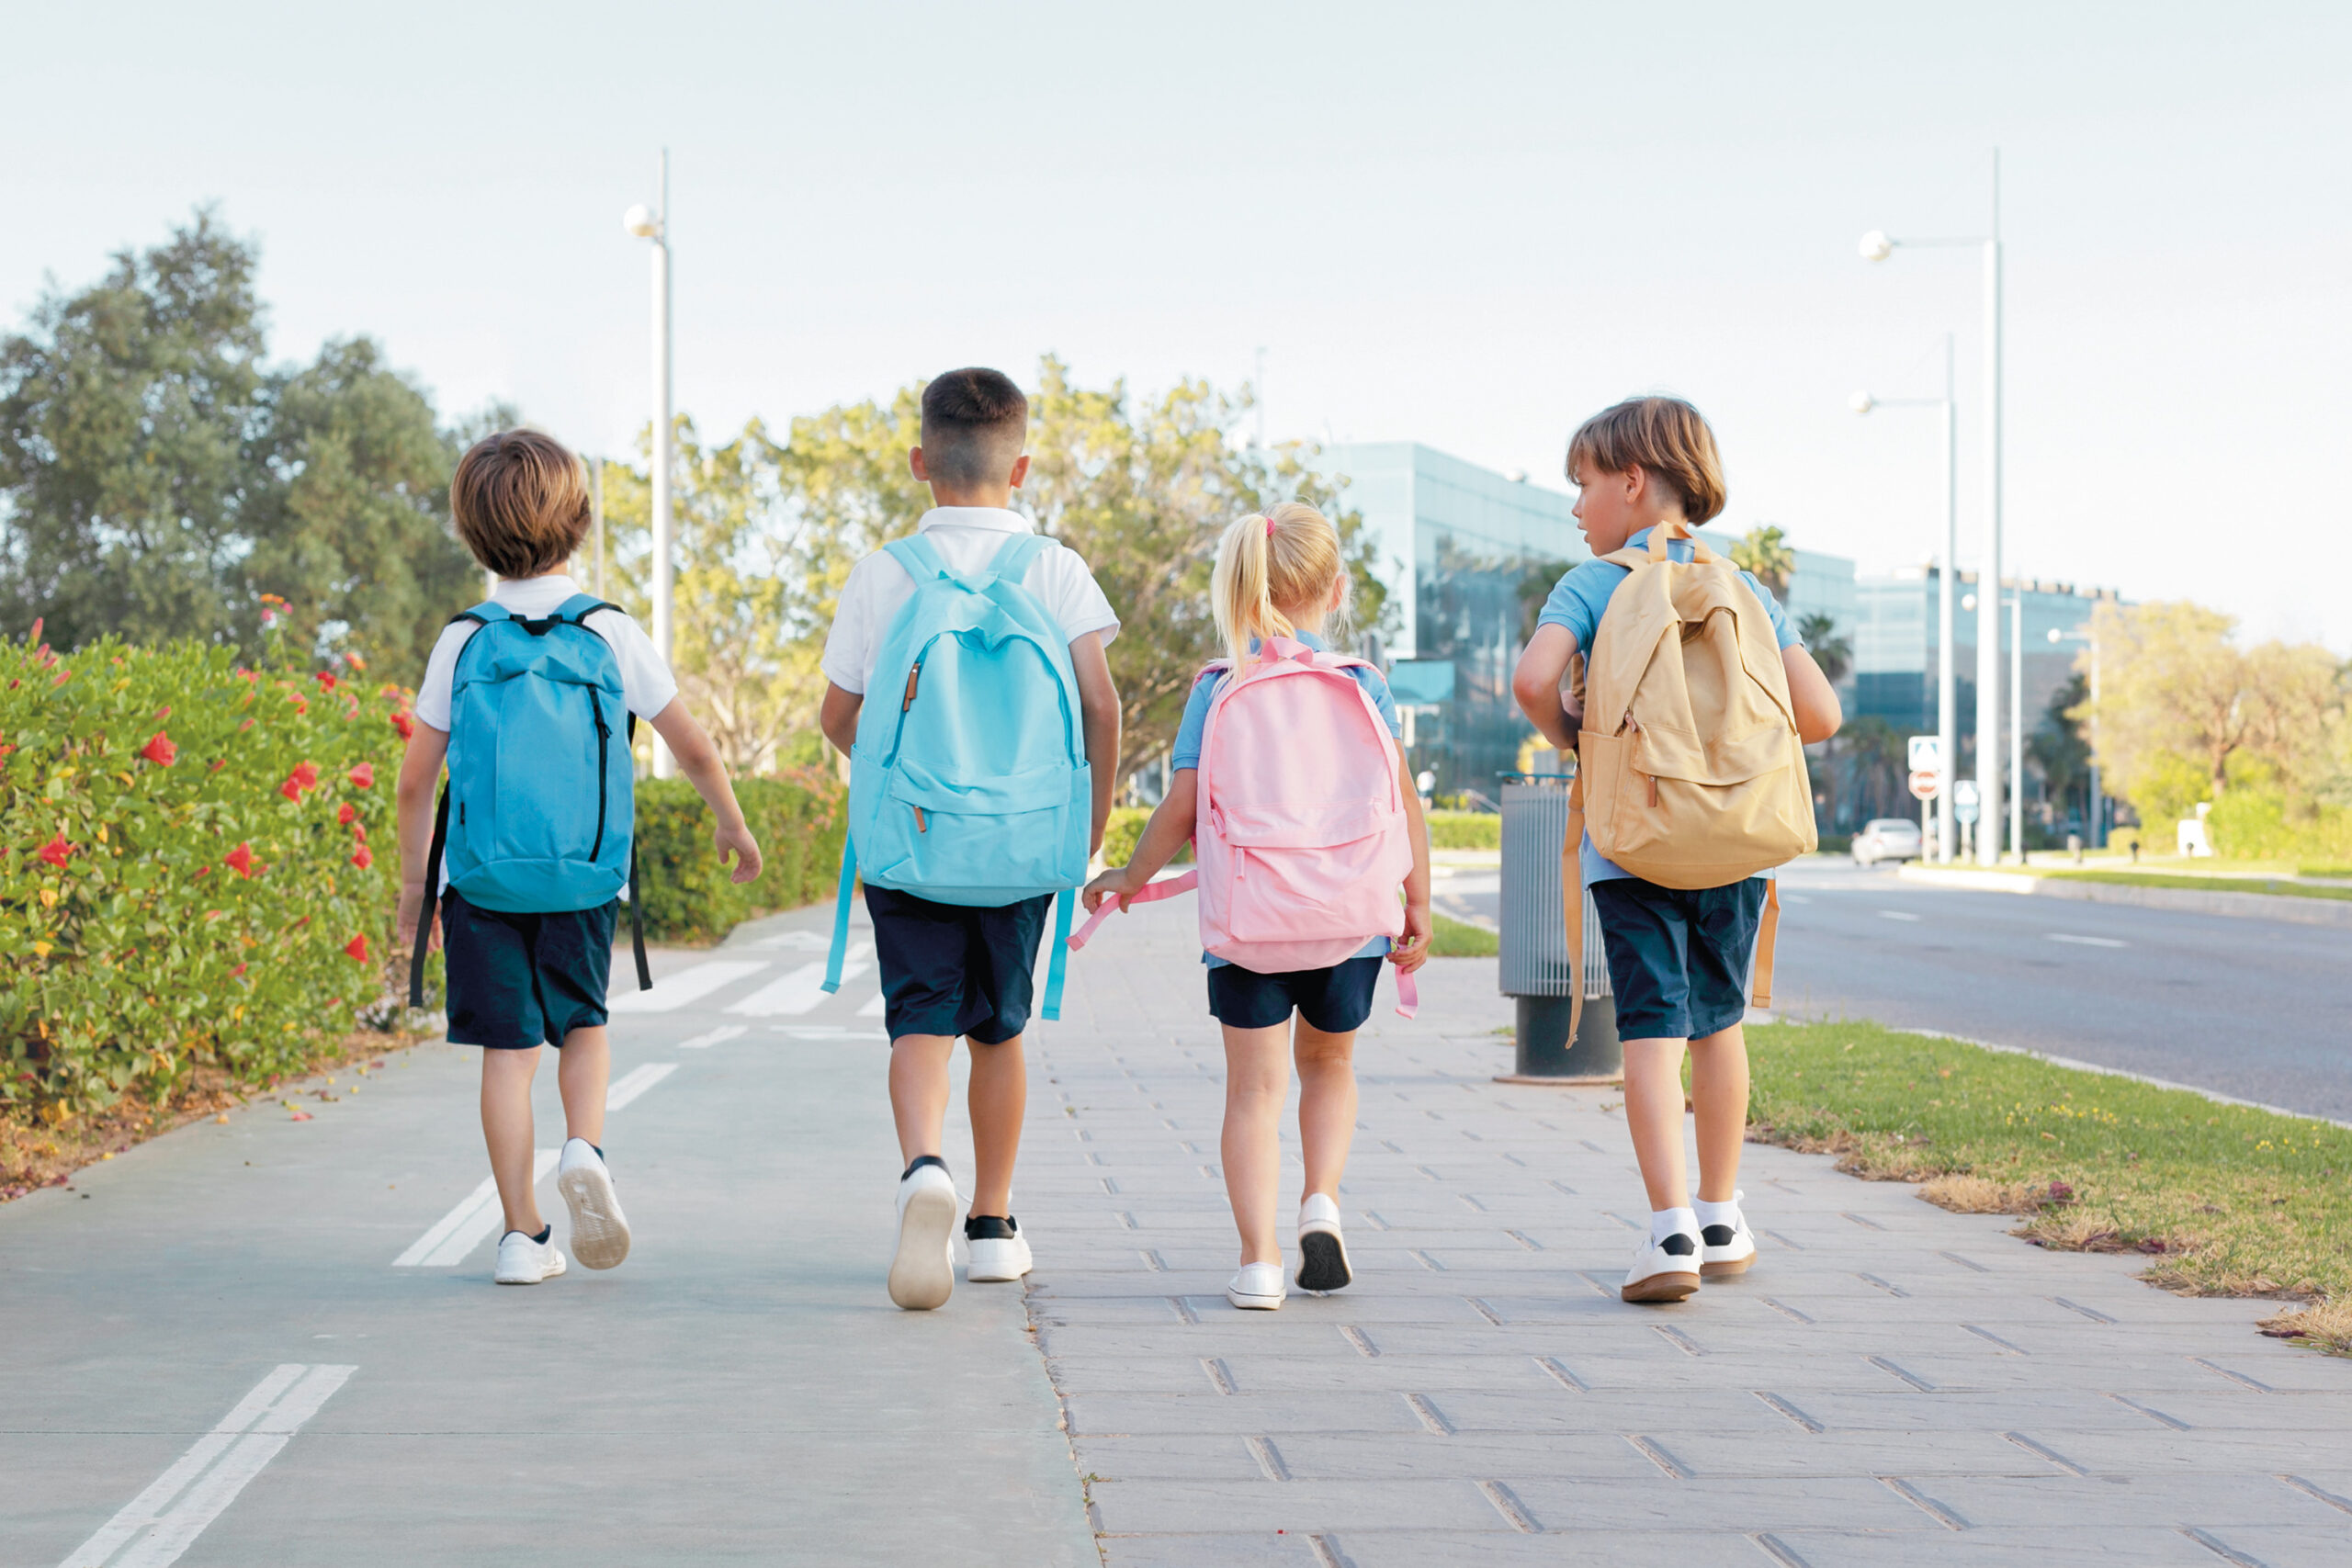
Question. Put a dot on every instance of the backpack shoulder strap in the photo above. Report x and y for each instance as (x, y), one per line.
(580, 606)
(919, 557)
(481, 614)
(1011, 562)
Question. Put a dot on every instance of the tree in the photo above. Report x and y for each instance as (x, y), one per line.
(2058, 746)
(1763, 551)
(1833, 650)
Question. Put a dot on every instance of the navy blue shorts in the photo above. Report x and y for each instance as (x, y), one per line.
(1336, 1000)
(954, 968)
(1678, 957)
(518, 980)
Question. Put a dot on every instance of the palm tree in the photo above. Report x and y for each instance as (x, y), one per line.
(1833, 650)
(1763, 551)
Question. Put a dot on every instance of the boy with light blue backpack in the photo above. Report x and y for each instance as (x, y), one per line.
(532, 698)
(980, 780)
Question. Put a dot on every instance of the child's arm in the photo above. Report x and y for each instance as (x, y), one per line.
(837, 716)
(412, 801)
(1536, 683)
(1813, 701)
(698, 760)
(1098, 706)
(1412, 950)
(1169, 831)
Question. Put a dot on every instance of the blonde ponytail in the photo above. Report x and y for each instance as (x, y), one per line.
(1268, 562)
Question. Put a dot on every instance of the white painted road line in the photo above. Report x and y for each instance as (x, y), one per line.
(718, 1036)
(2087, 940)
(469, 1224)
(873, 1008)
(635, 1081)
(156, 1531)
(827, 1031)
(801, 990)
(674, 991)
(799, 941)
(1898, 915)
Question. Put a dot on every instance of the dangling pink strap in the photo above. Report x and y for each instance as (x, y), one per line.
(1409, 993)
(1109, 907)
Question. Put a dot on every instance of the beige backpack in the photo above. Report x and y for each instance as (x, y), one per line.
(1689, 772)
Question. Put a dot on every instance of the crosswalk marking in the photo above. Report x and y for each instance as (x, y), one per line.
(469, 1224)
(674, 991)
(636, 1082)
(800, 990)
(718, 1036)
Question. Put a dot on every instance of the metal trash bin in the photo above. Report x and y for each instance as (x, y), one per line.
(1534, 948)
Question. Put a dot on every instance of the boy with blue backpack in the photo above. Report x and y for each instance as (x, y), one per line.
(979, 786)
(532, 698)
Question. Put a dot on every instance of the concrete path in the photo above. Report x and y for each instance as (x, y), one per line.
(1892, 1383)
(740, 1391)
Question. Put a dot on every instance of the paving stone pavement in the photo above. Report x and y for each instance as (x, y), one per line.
(1891, 1384)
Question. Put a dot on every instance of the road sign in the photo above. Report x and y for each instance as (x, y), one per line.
(1926, 755)
(1926, 784)
(1963, 801)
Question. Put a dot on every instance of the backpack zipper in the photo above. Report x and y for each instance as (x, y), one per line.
(604, 770)
(914, 673)
(921, 825)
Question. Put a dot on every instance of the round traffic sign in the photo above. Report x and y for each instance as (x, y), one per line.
(1926, 784)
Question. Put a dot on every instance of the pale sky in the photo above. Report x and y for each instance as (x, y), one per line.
(1467, 225)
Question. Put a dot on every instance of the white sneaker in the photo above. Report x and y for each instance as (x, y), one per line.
(599, 1232)
(525, 1260)
(999, 1252)
(1257, 1287)
(1322, 1251)
(922, 1274)
(1727, 1249)
(1662, 1272)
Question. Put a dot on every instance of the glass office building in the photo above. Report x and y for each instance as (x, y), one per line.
(1894, 647)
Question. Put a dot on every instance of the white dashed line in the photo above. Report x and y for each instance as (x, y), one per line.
(674, 991)
(469, 1224)
(718, 1036)
(2087, 940)
(636, 1082)
(873, 1008)
(1898, 915)
(801, 990)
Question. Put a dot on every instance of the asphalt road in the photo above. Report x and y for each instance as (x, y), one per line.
(2261, 1009)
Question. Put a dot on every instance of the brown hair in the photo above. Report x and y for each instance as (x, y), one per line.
(521, 502)
(975, 423)
(1283, 558)
(1667, 439)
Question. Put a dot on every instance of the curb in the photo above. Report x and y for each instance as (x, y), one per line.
(2332, 912)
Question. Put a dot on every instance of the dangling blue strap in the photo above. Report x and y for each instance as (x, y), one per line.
(840, 918)
(1068, 904)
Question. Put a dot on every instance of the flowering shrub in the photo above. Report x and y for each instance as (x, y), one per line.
(184, 874)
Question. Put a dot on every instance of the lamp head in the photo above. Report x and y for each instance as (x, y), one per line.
(1876, 247)
(1968, 601)
(640, 220)
(1862, 402)
(2056, 636)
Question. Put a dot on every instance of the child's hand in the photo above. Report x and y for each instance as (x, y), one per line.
(746, 848)
(1114, 883)
(413, 909)
(1412, 950)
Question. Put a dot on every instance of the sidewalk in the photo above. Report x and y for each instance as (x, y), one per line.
(1892, 1383)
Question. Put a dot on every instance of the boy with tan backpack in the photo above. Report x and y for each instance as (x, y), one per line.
(1690, 714)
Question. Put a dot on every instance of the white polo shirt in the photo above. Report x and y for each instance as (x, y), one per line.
(967, 538)
(647, 684)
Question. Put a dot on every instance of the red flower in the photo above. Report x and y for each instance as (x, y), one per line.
(161, 750)
(240, 859)
(204, 871)
(405, 724)
(365, 858)
(164, 712)
(62, 676)
(345, 813)
(359, 832)
(240, 969)
(292, 790)
(56, 850)
(354, 661)
(364, 775)
(358, 947)
(34, 634)
(299, 1115)
(326, 681)
(242, 728)
(307, 774)
(301, 703)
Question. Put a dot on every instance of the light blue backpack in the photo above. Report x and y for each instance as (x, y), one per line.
(540, 772)
(968, 783)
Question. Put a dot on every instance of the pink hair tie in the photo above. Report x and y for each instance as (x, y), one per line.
(1270, 527)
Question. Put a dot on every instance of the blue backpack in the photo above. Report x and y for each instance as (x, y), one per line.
(973, 788)
(543, 781)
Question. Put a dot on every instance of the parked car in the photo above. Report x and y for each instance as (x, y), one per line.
(1886, 838)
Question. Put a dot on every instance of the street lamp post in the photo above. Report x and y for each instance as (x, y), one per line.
(2087, 633)
(1877, 246)
(653, 224)
(1947, 691)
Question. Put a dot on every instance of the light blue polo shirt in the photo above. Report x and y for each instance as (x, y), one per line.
(1186, 752)
(1581, 598)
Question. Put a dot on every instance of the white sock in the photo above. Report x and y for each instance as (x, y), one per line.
(1727, 1213)
(1664, 1223)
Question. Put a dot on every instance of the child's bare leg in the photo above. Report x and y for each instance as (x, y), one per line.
(998, 1099)
(1327, 1104)
(1256, 1081)
(1719, 1094)
(1654, 1116)
(583, 1072)
(506, 1128)
(919, 1086)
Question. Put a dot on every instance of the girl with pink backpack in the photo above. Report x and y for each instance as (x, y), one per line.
(1289, 781)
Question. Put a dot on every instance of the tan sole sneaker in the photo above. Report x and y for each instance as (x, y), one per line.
(1661, 1288)
(923, 1272)
(599, 1232)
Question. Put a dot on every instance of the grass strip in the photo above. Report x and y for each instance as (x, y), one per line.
(1460, 939)
(2222, 1199)
(2199, 884)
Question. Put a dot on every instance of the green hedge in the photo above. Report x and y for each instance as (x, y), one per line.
(187, 873)
(1125, 831)
(1465, 830)
(798, 821)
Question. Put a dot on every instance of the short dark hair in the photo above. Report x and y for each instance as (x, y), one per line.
(975, 423)
(520, 499)
(1666, 438)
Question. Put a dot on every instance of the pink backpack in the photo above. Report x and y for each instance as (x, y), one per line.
(1302, 835)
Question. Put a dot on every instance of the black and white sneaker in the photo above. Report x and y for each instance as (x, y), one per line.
(1727, 1249)
(1322, 1251)
(1665, 1270)
(999, 1252)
